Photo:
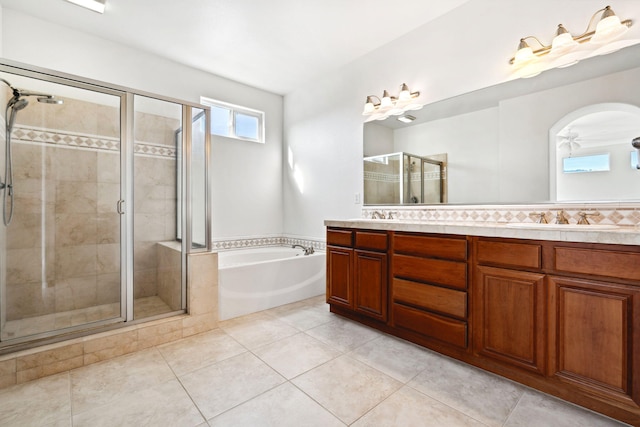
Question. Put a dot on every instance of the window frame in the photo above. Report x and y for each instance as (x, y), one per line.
(231, 125)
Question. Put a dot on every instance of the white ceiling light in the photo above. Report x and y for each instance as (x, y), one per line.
(95, 5)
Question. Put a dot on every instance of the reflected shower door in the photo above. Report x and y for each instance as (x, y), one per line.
(61, 263)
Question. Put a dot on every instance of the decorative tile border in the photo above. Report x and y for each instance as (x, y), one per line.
(34, 135)
(257, 242)
(622, 214)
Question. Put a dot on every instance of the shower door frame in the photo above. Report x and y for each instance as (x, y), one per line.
(126, 153)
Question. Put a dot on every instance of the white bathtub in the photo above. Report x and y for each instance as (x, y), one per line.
(251, 280)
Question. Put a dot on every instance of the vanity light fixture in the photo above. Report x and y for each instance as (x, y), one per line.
(566, 49)
(388, 105)
(95, 5)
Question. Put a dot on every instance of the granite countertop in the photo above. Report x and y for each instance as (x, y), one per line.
(621, 235)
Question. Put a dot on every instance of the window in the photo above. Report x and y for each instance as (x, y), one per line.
(593, 163)
(234, 121)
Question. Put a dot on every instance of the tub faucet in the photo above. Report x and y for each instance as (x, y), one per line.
(561, 218)
(377, 214)
(308, 250)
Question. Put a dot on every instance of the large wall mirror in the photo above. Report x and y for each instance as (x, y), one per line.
(521, 141)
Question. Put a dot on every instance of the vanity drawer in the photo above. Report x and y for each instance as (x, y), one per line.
(447, 273)
(509, 254)
(431, 325)
(339, 237)
(616, 264)
(434, 298)
(376, 241)
(435, 247)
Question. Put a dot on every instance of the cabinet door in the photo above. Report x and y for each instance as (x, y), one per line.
(510, 323)
(340, 276)
(595, 337)
(371, 284)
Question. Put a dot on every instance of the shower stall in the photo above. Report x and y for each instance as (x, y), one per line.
(100, 204)
(403, 178)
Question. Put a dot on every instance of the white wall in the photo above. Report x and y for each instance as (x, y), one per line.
(247, 195)
(464, 50)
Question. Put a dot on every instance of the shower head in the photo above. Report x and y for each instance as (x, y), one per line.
(19, 104)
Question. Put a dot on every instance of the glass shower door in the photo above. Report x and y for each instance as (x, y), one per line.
(61, 176)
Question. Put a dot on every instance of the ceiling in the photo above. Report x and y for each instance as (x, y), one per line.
(275, 45)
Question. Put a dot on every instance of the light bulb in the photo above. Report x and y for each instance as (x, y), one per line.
(524, 54)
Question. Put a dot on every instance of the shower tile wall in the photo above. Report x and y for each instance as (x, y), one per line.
(63, 246)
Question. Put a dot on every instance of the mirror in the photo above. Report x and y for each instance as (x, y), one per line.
(497, 139)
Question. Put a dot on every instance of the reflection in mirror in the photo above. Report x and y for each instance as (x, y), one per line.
(402, 178)
(593, 153)
(497, 138)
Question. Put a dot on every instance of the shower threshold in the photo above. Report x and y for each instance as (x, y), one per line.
(142, 308)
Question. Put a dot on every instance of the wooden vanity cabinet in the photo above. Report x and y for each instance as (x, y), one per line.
(510, 304)
(594, 321)
(429, 287)
(357, 268)
(340, 267)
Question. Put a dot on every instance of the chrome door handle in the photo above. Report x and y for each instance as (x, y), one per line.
(120, 207)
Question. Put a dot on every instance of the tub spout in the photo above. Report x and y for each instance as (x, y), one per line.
(307, 250)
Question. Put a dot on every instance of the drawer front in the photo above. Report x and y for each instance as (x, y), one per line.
(434, 298)
(339, 237)
(431, 325)
(371, 240)
(509, 254)
(448, 273)
(616, 264)
(436, 247)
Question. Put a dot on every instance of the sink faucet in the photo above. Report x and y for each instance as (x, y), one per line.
(542, 217)
(583, 217)
(561, 218)
(377, 214)
(308, 250)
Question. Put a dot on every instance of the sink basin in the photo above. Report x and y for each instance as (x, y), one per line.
(562, 227)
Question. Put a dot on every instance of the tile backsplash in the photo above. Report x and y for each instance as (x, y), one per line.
(621, 214)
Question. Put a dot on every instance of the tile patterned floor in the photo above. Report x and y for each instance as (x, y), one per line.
(296, 365)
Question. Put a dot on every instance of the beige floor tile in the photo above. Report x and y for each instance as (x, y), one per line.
(346, 387)
(104, 382)
(283, 406)
(257, 329)
(537, 409)
(409, 407)
(224, 385)
(200, 350)
(395, 357)
(303, 315)
(45, 401)
(343, 334)
(296, 354)
(479, 394)
(166, 404)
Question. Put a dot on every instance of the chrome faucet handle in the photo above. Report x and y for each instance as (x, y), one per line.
(584, 220)
(561, 218)
(377, 214)
(391, 214)
(542, 217)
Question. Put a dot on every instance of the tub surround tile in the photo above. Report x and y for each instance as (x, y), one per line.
(332, 383)
(283, 406)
